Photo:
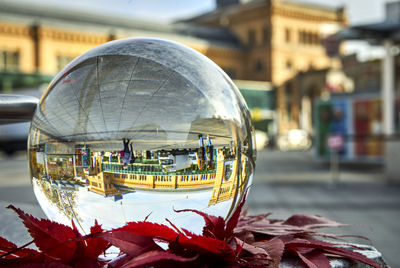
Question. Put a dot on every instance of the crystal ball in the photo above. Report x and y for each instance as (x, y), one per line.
(136, 129)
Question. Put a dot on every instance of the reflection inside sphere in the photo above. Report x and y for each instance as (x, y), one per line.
(137, 128)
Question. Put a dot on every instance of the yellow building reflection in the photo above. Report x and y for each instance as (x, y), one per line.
(107, 178)
(224, 177)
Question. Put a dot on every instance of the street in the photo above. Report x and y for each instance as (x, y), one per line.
(286, 183)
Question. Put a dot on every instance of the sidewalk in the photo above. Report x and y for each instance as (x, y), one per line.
(291, 167)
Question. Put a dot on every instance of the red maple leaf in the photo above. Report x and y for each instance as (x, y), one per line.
(136, 240)
(88, 247)
(62, 244)
(150, 229)
(53, 239)
(153, 257)
(11, 255)
(95, 246)
(310, 221)
(329, 248)
(216, 227)
(183, 239)
(129, 243)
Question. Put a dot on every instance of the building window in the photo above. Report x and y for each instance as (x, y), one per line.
(266, 35)
(9, 60)
(288, 34)
(62, 61)
(258, 66)
(305, 37)
(310, 38)
(251, 36)
(301, 40)
(289, 100)
(316, 39)
(288, 64)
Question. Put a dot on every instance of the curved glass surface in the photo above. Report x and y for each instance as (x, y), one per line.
(139, 127)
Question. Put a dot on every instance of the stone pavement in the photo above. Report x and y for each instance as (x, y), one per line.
(286, 183)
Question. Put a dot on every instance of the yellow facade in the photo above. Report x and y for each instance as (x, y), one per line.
(285, 36)
(108, 183)
(56, 43)
(297, 36)
(41, 48)
(46, 50)
(17, 38)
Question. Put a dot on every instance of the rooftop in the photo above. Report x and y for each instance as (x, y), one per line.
(87, 20)
(235, 8)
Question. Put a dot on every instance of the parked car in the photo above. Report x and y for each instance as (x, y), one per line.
(14, 137)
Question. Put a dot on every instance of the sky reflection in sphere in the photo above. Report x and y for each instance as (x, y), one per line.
(139, 127)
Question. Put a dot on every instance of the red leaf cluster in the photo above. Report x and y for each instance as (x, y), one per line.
(57, 244)
(242, 241)
(292, 237)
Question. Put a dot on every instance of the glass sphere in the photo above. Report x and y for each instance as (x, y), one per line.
(138, 128)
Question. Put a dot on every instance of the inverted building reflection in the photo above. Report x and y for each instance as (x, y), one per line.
(218, 170)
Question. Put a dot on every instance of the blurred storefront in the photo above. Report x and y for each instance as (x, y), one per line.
(373, 127)
(357, 118)
(352, 107)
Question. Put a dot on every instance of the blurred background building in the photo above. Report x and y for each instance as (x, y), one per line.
(278, 52)
(264, 41)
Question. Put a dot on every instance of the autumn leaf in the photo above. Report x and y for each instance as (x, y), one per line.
(95, 246)
(208, 245)
(61, 243)
(214, 226)
(150, 229)
(11, 255)
(129, 243)
(50, 237)
(7, 246)
(234, 219)
(275, 248)
(309, 221)
(331, 248)
(152, 257)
